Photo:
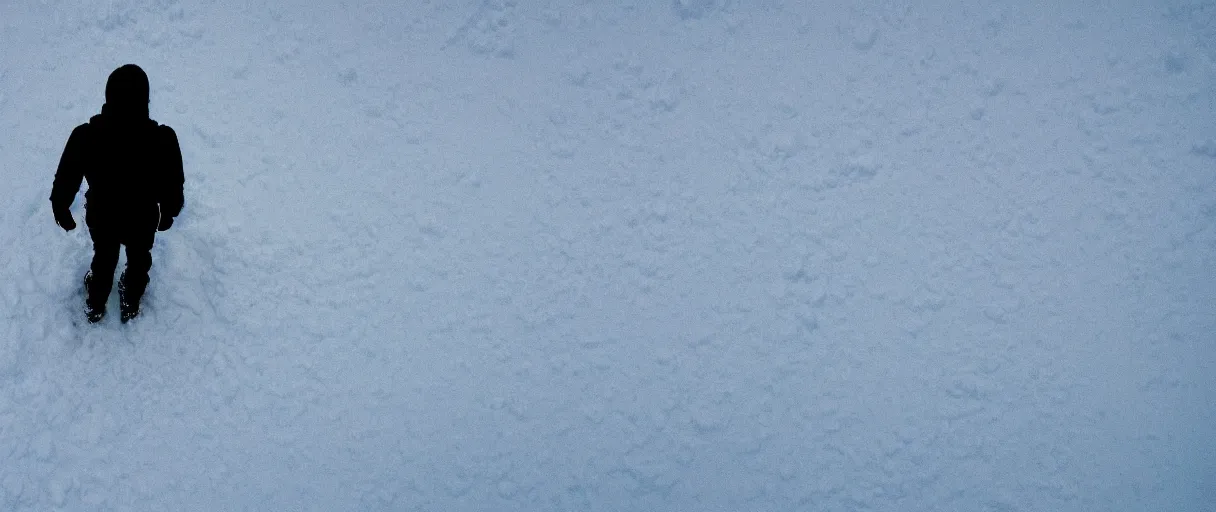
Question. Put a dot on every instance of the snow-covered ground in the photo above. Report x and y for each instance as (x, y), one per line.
(701, 255)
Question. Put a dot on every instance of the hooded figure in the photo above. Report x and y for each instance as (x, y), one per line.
(134, 169)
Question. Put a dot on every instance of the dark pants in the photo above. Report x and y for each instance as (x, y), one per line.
(134, 228)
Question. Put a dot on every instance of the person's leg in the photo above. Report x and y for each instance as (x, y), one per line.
(100, 278)
(135, 277)
(138, 240)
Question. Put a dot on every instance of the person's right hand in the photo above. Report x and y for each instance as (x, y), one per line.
(65, 220)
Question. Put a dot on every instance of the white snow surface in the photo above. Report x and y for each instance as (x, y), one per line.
(698, 255)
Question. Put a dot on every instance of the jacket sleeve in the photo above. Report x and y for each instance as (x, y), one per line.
(171, 194)
(71, 170)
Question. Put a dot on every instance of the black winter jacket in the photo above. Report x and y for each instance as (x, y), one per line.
(130, 162)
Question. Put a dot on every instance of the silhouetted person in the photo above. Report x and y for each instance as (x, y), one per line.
(134, 169)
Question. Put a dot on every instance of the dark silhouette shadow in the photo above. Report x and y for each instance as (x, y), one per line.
(134, 169)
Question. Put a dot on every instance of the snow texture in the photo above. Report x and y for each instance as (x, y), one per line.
(701, 255)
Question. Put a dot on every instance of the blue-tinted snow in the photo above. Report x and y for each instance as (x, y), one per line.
(671, 255)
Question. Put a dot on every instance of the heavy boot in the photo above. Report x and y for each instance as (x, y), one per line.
(130, 291)
(94, 302)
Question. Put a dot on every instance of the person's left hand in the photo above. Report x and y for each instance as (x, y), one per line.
(65, 220)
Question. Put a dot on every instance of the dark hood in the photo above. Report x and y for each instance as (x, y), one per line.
(122, 115)
(126, 95)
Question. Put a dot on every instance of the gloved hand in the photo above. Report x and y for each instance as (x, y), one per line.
(64, 219)
(165, 223)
